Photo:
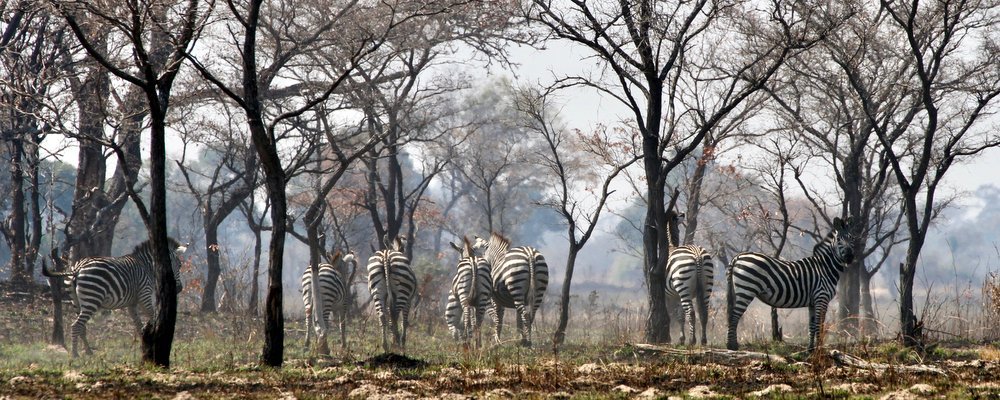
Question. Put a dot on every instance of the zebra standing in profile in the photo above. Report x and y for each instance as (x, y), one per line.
(470, 294)
(690, 278)
(333, 289)
(519, 276)
(392, 284)
(809, 282)
(110, 283)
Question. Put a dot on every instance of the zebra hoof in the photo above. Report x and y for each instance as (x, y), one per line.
(732, 346)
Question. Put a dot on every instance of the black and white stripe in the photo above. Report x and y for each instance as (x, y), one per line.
(392, 285)
(689, 278)
(110, 283)
(809, 282)
(519, 276)
(469, 297)
(333, 296)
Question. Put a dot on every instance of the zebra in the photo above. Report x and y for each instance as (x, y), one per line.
(809, 282)
(470, 294)
(333, 292)
(690, 278)
(110, 283)
(519, 276)
(392, 284)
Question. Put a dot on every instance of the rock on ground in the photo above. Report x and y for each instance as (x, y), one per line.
(773, 389)
(701, 391)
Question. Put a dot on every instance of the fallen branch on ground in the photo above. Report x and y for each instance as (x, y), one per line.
(712, 355)
(847, 360)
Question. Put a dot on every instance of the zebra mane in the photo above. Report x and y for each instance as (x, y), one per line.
(500, 239)
(147, 246)
(466, 247)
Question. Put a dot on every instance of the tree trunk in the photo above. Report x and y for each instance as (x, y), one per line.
(17, 217)
(91, 97)
(560, 335)
(35, 241)
(211, 264)
(868, 325)
(776, 334)
(58, 337)
(255, 280)
(158, 334)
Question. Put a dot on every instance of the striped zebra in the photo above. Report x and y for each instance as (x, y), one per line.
(469, 297)
(519, 276)
(392, 284)
(333, 289)
(110, 283)
(809, 282)
(690, 278)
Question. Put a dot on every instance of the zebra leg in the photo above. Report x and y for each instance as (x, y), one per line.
(736, 306)
(309, 328)
(323, 346)
(133, 313)
(498, 318)
(687, 322)
(384, 323)
(79, 331)
(702, 308)
(406, 325)
(817, 314)
(522, 326)
(343, 328)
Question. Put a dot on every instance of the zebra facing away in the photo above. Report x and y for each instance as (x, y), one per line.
(469, 297)
(333, 293)
(392, 285)
(110, 283)
(809, 282)
(689, 278)
(519, 276)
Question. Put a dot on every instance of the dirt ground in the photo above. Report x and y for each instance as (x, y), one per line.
(215, 355)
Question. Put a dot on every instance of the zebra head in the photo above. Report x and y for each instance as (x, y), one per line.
(394, 244)
(178, 250)
(838, 241)
(467, 249)
(480, 244)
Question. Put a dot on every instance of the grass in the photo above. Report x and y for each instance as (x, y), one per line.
(215, 356)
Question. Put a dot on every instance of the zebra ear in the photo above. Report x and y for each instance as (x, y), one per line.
(838, 224)
(455, 246)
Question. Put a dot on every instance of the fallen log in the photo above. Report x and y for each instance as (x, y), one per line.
(847, 360)
(720, 356)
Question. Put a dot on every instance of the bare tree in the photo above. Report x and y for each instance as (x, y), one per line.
(576, 198)
(218, 189)
(29, 68)
(167, 30)
(952, 84)
(654, 54)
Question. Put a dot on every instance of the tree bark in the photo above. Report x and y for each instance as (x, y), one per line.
(17, 217)
(559, 337)
(211, 263)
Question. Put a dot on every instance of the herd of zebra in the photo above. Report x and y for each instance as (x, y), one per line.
(490, 277)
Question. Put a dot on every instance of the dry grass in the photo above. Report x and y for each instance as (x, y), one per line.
(215, 357)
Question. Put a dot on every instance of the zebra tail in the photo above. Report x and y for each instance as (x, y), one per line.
(390, 298)
(50, 274)
(531, 287)
(699, 288)
(730, 288)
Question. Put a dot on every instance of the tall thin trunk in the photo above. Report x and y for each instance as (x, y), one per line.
(158, 335)
(17, 218)
(212, 263)
(868, 325)
(255, 279)
(560, 335)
